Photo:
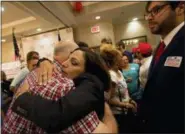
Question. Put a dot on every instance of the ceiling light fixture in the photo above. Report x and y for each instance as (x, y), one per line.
(135, 19)
(39, 29)
(3, 40)
(2, 9)
(97, 17)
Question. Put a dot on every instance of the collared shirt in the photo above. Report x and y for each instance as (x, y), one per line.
(120, 90)
(57, 87)
(170, 36)
(20, 77)
(143, 73)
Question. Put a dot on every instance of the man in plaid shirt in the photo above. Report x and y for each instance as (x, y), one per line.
(57, 87)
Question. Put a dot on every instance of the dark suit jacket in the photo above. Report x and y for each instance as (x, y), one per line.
(163, 99)
(54, 116)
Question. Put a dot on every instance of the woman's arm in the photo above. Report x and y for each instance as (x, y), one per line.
(109, 119)
(54, 116)
(109, 124)
(113, 100)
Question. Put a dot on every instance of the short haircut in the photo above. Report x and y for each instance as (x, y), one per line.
(64, 46)
(82, 44)
(31, 55)
(173, 4)
(106, 41)
(120, 44)
(95, 65)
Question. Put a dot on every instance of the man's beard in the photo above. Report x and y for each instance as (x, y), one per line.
(156, 28)
(164, 27)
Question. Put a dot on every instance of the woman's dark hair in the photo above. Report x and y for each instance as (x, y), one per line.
(173, 4)
(82, 44)
(95, 65)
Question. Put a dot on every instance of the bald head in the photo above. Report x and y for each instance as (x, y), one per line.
(63, 49)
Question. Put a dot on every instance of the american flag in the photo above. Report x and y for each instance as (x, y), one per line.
(16, 48)
(59, 39)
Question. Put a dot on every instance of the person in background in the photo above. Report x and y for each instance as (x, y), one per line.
(119, 97)
(130, 72)
(165, 85)
(68, 98)
(121, 47)
(135, 56)
(5, 84)
(6, 94)
(32, 60)
(82, 44)
(144, 52)
(106, 41)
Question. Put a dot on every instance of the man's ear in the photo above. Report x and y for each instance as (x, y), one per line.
(180, 10)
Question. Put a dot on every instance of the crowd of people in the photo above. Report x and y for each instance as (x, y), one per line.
(109, 91)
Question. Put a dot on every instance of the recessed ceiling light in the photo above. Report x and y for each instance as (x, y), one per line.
(3, 40)
(135, 19)
(2, 9)
(39, 29)
(97, 17)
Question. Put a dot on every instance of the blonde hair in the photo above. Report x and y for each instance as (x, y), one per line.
(110, 54)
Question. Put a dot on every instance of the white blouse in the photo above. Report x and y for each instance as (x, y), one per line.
(120, 89)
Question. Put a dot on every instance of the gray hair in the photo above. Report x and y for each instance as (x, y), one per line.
(65, 46)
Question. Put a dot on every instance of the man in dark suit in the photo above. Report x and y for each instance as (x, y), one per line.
(162, 108)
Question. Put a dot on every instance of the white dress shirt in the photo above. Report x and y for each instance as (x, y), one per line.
(170, 36)
(19, 77)
(143, 73)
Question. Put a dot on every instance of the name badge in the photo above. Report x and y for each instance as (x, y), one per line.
(173, 61)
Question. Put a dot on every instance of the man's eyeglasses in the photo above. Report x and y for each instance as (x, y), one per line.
(154, 11)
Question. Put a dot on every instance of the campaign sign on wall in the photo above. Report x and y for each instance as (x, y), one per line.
(44, 43)
(11, 68)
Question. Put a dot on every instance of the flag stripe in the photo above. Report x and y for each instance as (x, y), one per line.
(59, 39)
(16, 48)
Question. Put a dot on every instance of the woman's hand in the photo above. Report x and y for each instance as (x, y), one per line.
(22, 89)
(131, 106)
(134, 103)
(45, 71)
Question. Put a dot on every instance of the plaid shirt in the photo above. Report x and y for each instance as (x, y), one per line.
(55, 89)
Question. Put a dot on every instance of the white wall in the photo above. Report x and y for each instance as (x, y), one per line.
(115, 31)
(42, 43)
(7, 50)
(135, 29)
(83, 33)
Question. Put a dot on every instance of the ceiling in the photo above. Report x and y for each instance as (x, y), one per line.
(26, 17)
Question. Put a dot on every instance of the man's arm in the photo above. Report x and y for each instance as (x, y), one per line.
(18, 79)
(54, 116)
